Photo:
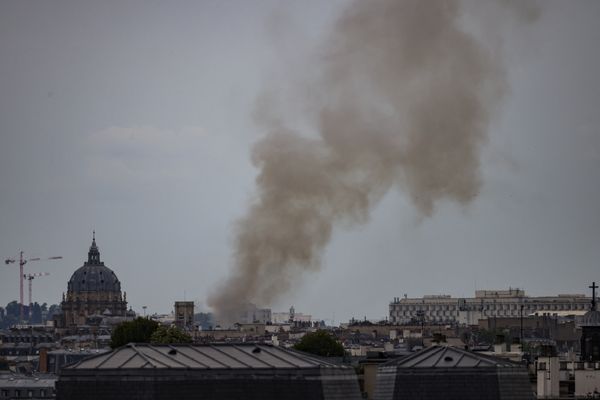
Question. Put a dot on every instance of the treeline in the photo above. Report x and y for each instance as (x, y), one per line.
(38, 314)
(144, 330)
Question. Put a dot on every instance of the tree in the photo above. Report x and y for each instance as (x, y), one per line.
(169, 335)
(53, 309)
(465, 337)
(12, 309)
(11, 315)
(8, 321)
(137, 331)
(36, 314)
(485, 336)
(320, 343)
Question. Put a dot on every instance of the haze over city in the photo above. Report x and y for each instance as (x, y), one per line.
(138, 120)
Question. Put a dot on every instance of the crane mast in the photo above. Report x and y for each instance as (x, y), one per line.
(30, 278)
(22, 261)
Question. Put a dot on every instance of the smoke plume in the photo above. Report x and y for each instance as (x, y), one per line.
(404, 98)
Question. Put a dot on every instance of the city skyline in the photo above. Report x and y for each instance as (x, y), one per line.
(137, 121)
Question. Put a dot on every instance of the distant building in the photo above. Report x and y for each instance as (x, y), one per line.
(56, 359)
(17, 386)
(581, 378)
(590, 334)
(30, 336)
(184, 314)
(163, 319)
(485, 304)
(205, 320)
(249, 314)
(93, 289)
(291, 316)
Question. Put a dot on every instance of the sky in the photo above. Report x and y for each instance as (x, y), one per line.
(136, 119)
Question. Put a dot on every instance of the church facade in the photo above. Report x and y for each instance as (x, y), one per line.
(93, 290)
(590, 332)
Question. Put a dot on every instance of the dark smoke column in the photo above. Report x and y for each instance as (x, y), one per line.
(404, 99)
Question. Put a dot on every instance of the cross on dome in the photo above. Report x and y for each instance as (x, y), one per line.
(593, 287)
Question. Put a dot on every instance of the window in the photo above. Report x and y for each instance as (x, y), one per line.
(542, 366)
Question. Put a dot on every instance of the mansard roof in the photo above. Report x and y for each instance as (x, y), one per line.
(450, 357)
(205, 357)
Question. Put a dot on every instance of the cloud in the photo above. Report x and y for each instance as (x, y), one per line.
(145, 154)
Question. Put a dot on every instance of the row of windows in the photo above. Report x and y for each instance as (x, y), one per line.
(26, 393)
(408, 314)
(26, 339)
(513, 307)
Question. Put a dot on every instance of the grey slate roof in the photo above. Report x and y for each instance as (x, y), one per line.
(94, 276)
(208, 372)
(451, 373)
(591, 318)
(86, 352)
(450, 357)
(203, 357)
(20, 381)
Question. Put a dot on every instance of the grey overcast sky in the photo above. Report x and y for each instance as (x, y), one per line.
(134, 118)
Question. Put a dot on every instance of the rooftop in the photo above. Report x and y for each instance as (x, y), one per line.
(591, 318)
(22, 381)
(450, 357)
(226, 356)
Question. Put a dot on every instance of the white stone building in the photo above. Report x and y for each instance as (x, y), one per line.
(291, 316)
(250, 314)
(485, 304)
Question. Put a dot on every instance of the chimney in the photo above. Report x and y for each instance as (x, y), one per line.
(500, 344)
(439, 338)
(43, 362)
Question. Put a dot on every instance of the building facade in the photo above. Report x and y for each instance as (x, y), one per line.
(184, 314)
(590, 335)
(486, 304)
(249, 314)
(93, 289)
(290, 317)
(26, 387)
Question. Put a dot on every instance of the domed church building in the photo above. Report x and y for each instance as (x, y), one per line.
(93, 289)
(590, 331)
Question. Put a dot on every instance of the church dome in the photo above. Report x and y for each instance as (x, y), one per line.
(591, 318)
(94, 276)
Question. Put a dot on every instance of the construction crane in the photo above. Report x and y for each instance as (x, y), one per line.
(30, 278)
(22, 261)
